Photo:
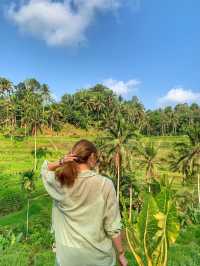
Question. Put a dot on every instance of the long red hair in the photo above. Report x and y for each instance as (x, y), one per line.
(67, 174)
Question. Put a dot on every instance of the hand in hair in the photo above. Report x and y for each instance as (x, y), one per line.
(69, 158)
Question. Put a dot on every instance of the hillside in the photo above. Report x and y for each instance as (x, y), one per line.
(16, 157)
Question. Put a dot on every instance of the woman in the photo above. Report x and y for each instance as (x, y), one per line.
(86, 217)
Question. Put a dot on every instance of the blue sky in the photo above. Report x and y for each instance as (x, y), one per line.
(148, 48)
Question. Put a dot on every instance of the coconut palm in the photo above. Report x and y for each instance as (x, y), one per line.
(135, 112)
(6, 86)
(53, 115)
(35, 125)
(33, 117)
(164, 122)
(148, 159)
(32, 85)
(46, 96)
(99, 106)
(186, 157)
(119, 146)
(28, 185)
(174, 122)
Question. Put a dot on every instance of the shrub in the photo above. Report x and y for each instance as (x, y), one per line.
(46, 258)
(40, 236)
(11, 201)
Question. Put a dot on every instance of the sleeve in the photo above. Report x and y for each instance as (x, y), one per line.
(52, 186)
(112, 218)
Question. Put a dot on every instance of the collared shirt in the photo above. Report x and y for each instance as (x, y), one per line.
(85, 217)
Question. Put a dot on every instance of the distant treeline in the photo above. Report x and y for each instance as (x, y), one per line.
(28, 106)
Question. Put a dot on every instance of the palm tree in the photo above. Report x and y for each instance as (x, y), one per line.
(28, 185)
(146, 126)
(53, 115)
(136, 112)
(164, 122)
(10, 116)
(186, 158)
(33, 117)
(46, 97)
(119, 146)
(6, 86)
(32, 85)
(174, 122)
(99, 106)
(148, 158)
(85, 103)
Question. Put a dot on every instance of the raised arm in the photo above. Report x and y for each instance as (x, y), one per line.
(53, 166)
(52, 186)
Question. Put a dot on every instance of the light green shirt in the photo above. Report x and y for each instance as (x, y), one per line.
(84, 218)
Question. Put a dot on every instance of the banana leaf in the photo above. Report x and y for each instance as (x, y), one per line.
(147, 227)
(168, 227)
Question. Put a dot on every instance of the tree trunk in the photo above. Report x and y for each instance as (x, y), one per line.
(35, 137)
(118, 181)
(148, 181)
(147, 177)
(198, 177)
(27, 219)
(25, 129)
(42, 114)
(130, 203)
(6, 116)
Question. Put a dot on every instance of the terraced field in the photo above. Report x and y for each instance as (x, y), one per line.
(17, 156)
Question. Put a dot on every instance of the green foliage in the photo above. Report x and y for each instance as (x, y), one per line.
(22, 254)
(27, 181)
(186, 251)
(147, 225)
(40, 236)
(29, 106)
(16, 258)
(186, 156)
(11, 201)
(168, 225)
(156, 229)
(188, 206)
(148, 154)
(42, 152)
(46, 258)
(8, 238)
(162, 215)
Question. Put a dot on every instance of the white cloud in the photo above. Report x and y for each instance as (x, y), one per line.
(122, 87)
(58, 22)
(180, 95)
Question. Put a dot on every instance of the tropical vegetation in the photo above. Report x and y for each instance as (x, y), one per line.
(152, 156)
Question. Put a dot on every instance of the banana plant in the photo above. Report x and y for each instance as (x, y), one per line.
(131, 233)
(156, 229)
(168, 226)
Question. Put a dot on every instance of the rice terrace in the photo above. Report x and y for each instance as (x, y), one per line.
(99, 133)
(156, 161)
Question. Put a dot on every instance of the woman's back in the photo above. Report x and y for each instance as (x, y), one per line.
(85, 217)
